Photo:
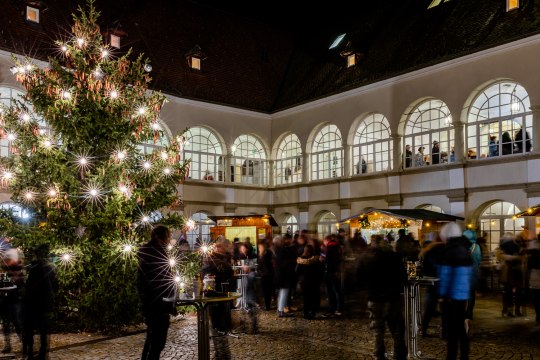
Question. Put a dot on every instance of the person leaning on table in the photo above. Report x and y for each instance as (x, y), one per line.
(155, 282)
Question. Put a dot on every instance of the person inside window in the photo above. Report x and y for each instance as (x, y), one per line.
(408, 156)
(208, 176)
(419, 157)
(507, 144)
(435, 153)
(361, 166)
(493, 146)
(522, 143)
(288, 172)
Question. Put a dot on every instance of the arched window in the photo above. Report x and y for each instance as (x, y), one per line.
(432, 208)
(202, 229)
(205, 151)
(248, 164)
(327, 224)
(429, 135)
(151, 145)
(289, 160)
(17, 210)
(499, 122)
(289, 225)
(8, 97)
(327, 154)
(498, 219)
(372, 147)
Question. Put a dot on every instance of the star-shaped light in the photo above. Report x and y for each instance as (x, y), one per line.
(113, 94)
(93, 193)
(80, 231)
(80, 42)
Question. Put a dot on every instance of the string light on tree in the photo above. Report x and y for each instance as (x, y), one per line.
(167, 171)
(80, 97)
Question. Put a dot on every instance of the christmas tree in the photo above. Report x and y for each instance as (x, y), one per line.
(79, 168)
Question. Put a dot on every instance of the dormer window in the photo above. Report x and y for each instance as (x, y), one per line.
(195, 58)
(512, 5)
(32, 14)
(115, 41)
(350, 54)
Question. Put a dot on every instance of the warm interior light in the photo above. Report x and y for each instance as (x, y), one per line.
(195, 63)
(32, 14)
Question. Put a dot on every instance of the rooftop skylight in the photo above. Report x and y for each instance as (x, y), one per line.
(337, 41)
(436, 3)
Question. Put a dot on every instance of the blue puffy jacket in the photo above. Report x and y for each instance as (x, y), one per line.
(456, 271)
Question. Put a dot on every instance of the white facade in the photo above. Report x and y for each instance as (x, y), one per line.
(464, 187)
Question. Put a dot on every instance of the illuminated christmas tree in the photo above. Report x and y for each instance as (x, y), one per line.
(78, 168)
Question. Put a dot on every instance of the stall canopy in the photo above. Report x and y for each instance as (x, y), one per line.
(532, 211)
(409, 214)
(224, 218)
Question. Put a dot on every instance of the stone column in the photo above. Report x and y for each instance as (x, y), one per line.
(306, 168)
(397, 162)
(227, 168)
(536, 127)
(459, 143)
(347, 161)
(271, 181)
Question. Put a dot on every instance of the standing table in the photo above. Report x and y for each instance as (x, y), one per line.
(202, 304)
(413, 312)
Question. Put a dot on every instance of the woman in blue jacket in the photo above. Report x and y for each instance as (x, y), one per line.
(455, 274)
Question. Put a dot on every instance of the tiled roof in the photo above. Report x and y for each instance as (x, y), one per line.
(273, 60)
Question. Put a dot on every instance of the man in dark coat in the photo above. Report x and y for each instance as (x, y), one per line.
(155, 282)
(387, 276)
(38, 304)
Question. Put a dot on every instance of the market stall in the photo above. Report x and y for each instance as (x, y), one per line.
(252, 228)
(419, 222)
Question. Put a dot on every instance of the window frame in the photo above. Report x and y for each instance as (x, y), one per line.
(426, 137)
(214, 160)
(363, 131)
(492, 113)
(322, 167)
(35, 11)
(246, 169)
(288, 162)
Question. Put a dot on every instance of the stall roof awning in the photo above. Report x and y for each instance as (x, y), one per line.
(270, 218)
(410, 214)
(532, 211)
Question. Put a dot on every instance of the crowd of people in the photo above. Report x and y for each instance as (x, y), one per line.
(301, 270)
(27, 303)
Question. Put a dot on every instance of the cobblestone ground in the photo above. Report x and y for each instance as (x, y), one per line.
(347, 337)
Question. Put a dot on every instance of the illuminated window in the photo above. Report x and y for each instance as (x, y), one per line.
(9, 97)
(351, 60)
(289, 225)
(289, 161)
(195, 57)
(337, 41)
(16, 210)
(429, 135)
(327, 154)
(327, 224)
(204, 150)
(195, 63)
(249, 165)
(32, 14)
(155, 144)
(372, 147)
(498, 219)
(512, 4)
(201, 232)
(500, 121)
(115, 41)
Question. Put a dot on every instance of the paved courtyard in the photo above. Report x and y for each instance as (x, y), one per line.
(347, 337)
